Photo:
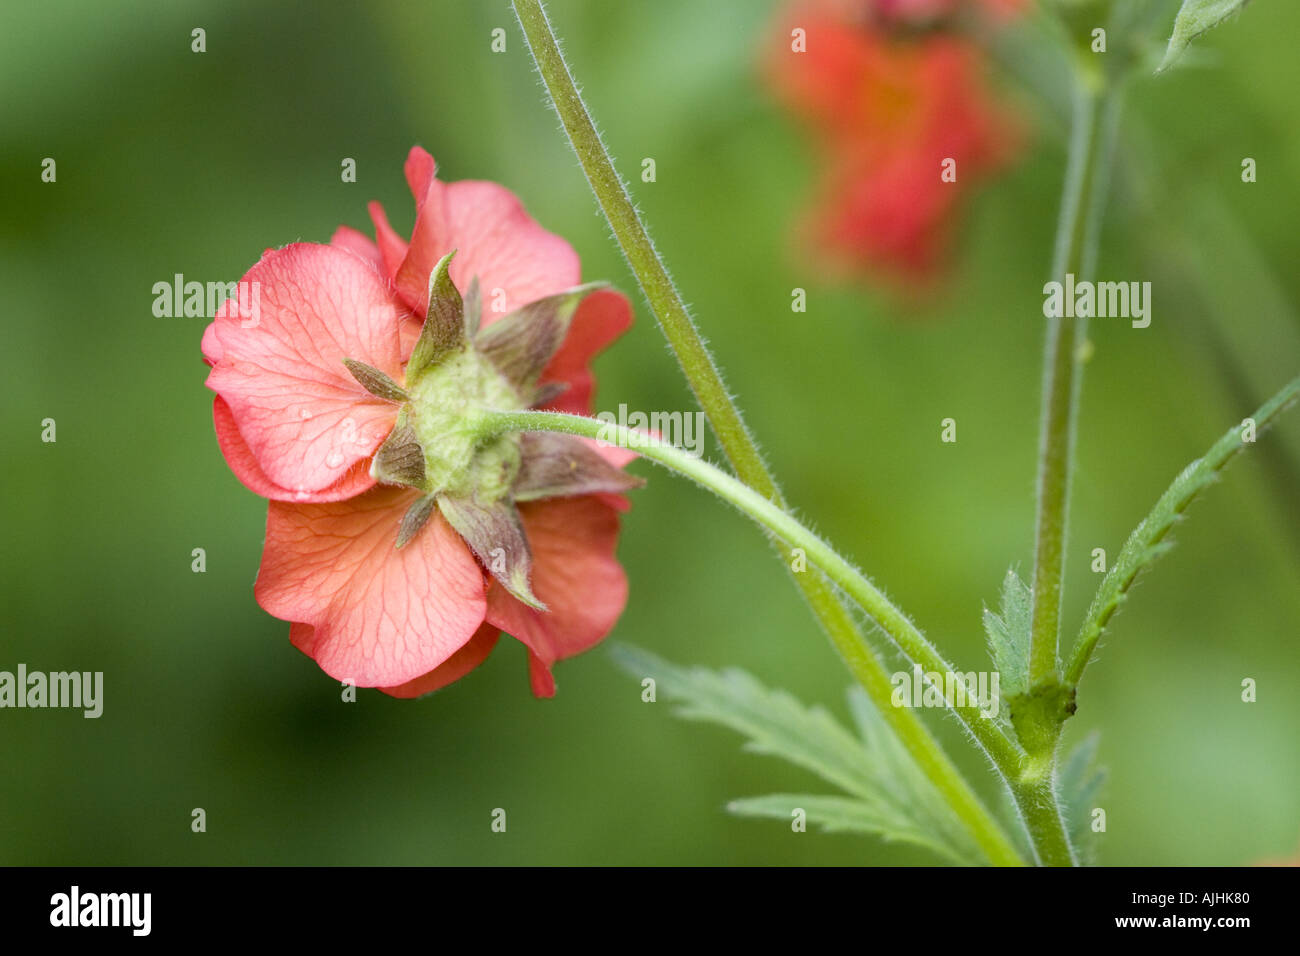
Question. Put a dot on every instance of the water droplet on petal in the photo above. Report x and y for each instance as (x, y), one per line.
(333, 459)
(304, 414)
(302, 493)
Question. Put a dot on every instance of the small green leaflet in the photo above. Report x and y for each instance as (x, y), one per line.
(1079, 784)
(840, 815)
(1194, 18)
(1147, 543)
(887, 794)
(1008, 633)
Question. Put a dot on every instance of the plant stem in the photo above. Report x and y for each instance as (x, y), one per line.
(1061, 391)
(780, 523)
(737, 444)
(1095, 115)
(1041, 811)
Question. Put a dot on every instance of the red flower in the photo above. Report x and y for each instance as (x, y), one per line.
(399, 542)
(892, 98)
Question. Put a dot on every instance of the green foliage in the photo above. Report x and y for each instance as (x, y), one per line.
(888, 795)
(1008, 633)
(1147, 543)
(1196, 17)
(1079, 785)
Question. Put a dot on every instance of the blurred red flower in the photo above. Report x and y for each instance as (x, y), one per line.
(895, 95)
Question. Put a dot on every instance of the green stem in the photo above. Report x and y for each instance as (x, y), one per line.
(1060, 395)
(1038, 805)
(780, 523)
(1095, 114)
(737, 444)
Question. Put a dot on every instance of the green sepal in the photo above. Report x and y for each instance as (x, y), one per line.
(444, 322)
(415, 519)
(495, 533)
(547, 393)
(400, 459)
(553, 465)
(473, 309)
(523, 343)
(376, 382)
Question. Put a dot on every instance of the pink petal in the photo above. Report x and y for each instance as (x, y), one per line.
(305, 419)
(379, 617)
(210, 346)
(244, 464)
(574, 573)
(614, 454)
(392, 247)
(494, 237)
(453, 668)
(601, 318)
(540, 677)
(359, 244)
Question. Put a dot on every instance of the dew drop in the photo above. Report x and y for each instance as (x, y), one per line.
(333, 459)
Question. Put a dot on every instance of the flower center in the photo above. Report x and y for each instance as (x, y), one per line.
(443, 413)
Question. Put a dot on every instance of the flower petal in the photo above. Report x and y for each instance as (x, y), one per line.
(515, 259)
(577, 576)
(392, 247)
(379, 617)
(303, 416)
(453, 668)
(244, 464)
(359, 244)
(210, 346)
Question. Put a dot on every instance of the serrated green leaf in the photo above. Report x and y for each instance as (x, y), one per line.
(844, 815)
(1196, 17)
(1147, 543)
(1008, 633)
(1079, 784)
(890, 796)
(775, 723)
(903, 783)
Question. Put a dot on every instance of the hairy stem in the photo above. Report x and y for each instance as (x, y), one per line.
(737, 444)
(1075, 236)
(1095, 115)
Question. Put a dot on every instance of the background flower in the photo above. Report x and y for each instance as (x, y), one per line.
(889, 104)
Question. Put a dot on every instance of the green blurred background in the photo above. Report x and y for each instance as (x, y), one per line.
(170, 161)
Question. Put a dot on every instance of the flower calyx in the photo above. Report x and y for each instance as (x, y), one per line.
(458, 371)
